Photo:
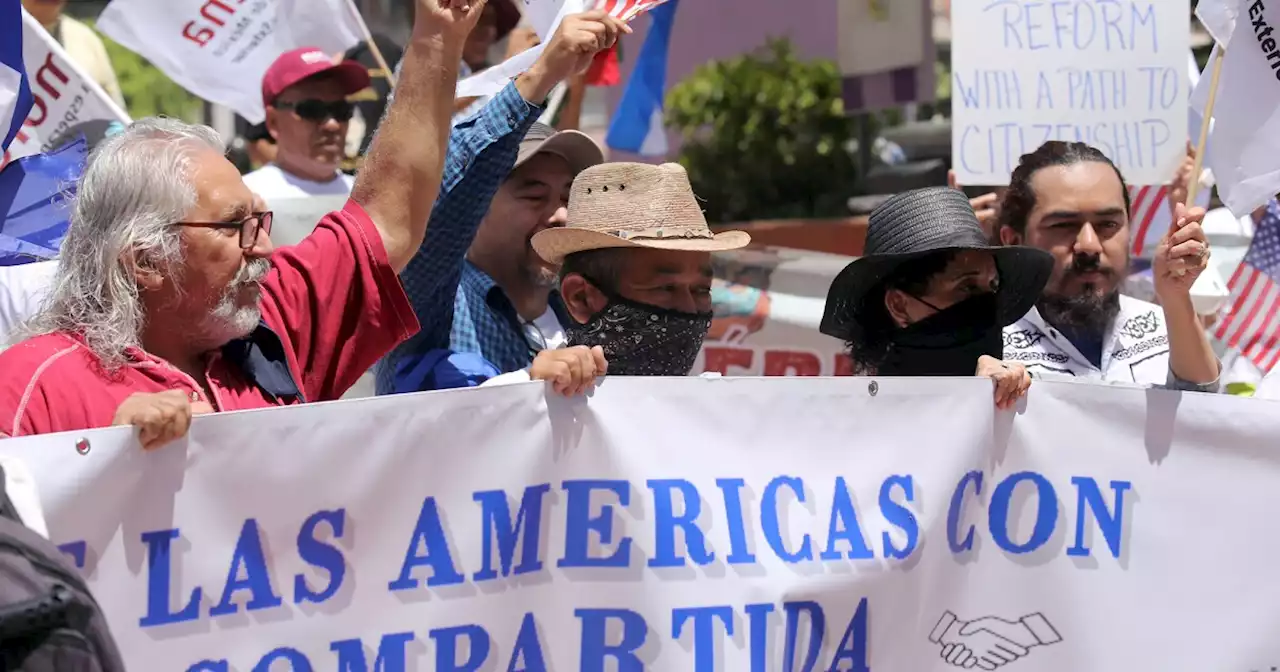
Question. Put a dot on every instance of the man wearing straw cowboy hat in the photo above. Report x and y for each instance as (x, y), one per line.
(635, 276)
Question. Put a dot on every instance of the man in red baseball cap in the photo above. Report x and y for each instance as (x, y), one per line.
(305, 95)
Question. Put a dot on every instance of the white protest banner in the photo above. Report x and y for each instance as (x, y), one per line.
(1111, 74)
(685, 524)
(220, 49)
(64, 97)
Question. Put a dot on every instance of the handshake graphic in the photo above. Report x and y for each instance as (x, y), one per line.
(990, 642)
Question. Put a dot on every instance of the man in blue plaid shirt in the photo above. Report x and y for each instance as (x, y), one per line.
(484, 298)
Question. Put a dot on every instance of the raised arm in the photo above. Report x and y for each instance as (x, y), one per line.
(401, 173)
(1180, 257)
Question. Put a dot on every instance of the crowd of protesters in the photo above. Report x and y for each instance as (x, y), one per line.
(477, 246)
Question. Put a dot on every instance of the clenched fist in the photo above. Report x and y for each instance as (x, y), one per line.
(451, 19)
(160, 417)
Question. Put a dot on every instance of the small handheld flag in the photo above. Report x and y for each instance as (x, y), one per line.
(638, 123)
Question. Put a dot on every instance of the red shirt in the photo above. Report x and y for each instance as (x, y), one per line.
(333, 302)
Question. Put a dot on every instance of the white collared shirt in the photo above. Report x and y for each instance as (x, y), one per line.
(1135, 349)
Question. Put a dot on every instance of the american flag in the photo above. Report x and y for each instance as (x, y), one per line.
(1252, 323)
(1149, 218)
(625, 10)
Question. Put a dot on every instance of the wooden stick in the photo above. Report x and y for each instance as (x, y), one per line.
(373, 46)
(1193, 188)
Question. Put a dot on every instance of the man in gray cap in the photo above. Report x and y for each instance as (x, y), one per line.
(482, 295)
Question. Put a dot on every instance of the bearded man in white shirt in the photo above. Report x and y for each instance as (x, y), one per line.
(1071, 201)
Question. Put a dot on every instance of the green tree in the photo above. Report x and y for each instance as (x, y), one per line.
(765, 136)
(146, 90)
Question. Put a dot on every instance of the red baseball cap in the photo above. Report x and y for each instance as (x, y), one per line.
(294, 66)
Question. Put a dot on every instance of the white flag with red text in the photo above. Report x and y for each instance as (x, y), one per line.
(63, 97)
(219, 49)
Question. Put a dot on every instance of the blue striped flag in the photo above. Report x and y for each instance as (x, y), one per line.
(15, 91)
(638, 123)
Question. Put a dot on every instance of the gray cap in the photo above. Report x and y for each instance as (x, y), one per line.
(575, 147)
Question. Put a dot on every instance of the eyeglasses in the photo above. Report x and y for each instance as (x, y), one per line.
(249, 227)
(319, 110)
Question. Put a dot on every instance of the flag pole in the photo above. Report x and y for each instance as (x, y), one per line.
(1194, 187)
(373, 46)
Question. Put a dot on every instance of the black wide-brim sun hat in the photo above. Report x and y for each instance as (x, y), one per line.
(918, 223)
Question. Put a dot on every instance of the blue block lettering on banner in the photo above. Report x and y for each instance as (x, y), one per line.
(447, 648)
(159, 578)
(496, 513)
(739, 552)
(428, 532)
(1040, 493)
(321, 556)
(769, 511)
(595, 648)
(704, 632)
(1110, 520)
(844, 527)
(899, 516)
(1087, 75)
(297, 661)
(527, 652)
(391, 653)
(580, 524)
(665, 523)
(249, 561)
(817, 628)
(613, 638)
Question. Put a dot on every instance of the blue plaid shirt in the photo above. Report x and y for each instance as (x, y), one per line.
(460, 307)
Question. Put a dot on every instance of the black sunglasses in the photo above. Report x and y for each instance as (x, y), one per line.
(249, 227)
(319, 110)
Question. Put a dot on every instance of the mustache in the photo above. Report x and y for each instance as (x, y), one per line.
(253, 272)
(1088, 264)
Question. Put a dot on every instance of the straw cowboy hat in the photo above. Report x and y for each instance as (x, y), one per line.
(920, 222)
(620, 205)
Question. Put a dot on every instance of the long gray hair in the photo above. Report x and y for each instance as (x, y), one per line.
(135, 186)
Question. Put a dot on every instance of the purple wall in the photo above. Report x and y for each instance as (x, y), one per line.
(707, 30)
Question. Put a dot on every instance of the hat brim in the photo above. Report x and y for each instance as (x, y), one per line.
(553, 245)
(352, 75)
(1024, 271)
(575, 147)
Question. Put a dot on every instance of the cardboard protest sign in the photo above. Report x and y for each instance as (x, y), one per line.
(1110, 74)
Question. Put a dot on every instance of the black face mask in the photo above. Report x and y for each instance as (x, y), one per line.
(948, 342)
(643, 340)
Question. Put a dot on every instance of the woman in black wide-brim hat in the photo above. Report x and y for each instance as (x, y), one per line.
(931, 296)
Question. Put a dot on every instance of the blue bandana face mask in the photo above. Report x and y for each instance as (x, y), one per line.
(643, 340)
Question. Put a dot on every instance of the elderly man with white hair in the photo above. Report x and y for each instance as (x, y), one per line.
(169, 299)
